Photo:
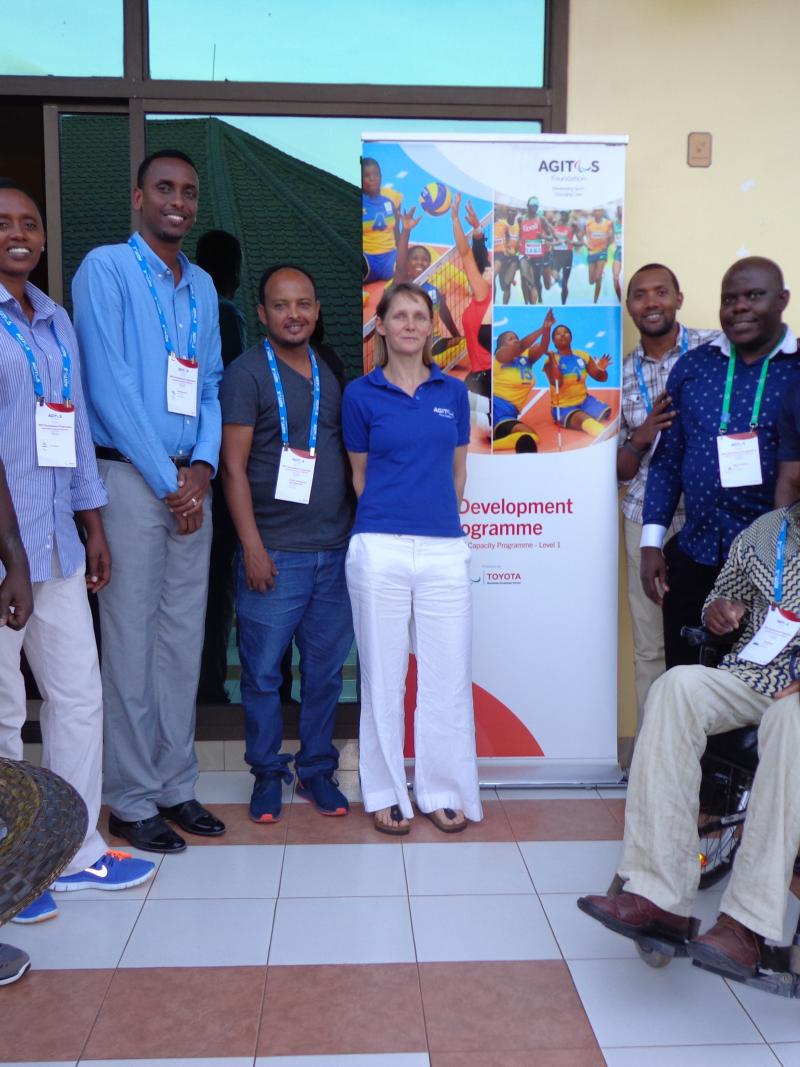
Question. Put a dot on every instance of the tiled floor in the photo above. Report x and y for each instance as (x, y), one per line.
(318, 943)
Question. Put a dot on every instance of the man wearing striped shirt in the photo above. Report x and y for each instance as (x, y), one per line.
(653, 301)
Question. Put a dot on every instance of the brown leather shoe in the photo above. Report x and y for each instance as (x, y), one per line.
(634, 916)
(729, 948)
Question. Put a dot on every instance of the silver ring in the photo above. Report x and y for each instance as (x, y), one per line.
(193, 502)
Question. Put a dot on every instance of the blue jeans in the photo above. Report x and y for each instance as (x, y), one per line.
(310, 603)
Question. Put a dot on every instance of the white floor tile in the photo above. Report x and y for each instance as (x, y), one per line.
(86, 933)
(631, 1004)
(571, 866)
(460, 928)
(788, 1054)
(580, 937)
(229, 787)
(342, 930)
(138, 892)
(39, 1063)
(546, 794)
(691, 1056)
(234, 871)
(201, 933)
(225, 1061)
(778, 1018)
(343, 871)
(373, 1059)
(465, 868)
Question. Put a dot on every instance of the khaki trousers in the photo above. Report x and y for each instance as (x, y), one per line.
(647, 620)
(660, 858)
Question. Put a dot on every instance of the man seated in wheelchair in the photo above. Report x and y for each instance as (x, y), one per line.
(756, 682)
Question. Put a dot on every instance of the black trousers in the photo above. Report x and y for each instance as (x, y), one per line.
(689, 585)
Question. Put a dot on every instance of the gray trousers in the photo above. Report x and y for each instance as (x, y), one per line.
(152, 616)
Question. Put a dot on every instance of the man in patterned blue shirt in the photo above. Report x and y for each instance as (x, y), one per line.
(721, 450)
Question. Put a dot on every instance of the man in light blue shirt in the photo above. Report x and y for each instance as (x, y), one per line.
(148, 325)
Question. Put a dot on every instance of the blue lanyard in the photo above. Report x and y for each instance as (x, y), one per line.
(66, 362)
(780, 552)
(284, 418)
(191, 354)
(648, 404)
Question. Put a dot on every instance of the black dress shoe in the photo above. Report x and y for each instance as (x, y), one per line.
(192, 817)
(150, 835)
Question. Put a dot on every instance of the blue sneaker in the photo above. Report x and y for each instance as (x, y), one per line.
(265, 803)
(114, 870)
(323, 792)
(42, 909)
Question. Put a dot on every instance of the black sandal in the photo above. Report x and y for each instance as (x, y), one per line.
(393, 829)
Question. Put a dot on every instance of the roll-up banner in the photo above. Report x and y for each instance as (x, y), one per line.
(532, 324)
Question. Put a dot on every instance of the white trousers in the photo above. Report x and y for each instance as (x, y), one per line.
(660, 852)
(647, 621)
(406, 589)
(61, 649)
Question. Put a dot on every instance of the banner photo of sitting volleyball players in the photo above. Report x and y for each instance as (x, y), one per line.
(518, 241)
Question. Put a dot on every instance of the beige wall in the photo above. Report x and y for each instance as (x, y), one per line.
(657, 70)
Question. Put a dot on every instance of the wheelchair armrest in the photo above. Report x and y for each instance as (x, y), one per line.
(699, 637)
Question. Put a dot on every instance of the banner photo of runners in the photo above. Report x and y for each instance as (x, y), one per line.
(519, 244)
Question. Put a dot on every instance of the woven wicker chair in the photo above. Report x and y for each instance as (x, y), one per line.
(45, 822)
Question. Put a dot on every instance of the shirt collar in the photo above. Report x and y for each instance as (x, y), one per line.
(43, 306)
(643, 357)
(379, 378)
(789, 346)
(156, 263)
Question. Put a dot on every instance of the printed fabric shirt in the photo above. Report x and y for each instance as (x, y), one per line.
(45, 498)
(633, 411)
(686, 459)
(748, 576)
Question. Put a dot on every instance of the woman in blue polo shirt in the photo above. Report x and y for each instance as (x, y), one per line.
(406, 429)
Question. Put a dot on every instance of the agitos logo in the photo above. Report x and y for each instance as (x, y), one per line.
(569, 166)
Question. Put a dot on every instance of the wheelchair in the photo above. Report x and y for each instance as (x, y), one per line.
(728, 768)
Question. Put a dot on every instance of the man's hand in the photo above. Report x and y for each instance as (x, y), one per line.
(792, 687)
(724, 616)
(16, 596)
(190, 522)
(259, 569)
(660, 418)
(653, 573)
(98, 560)
(193, 485)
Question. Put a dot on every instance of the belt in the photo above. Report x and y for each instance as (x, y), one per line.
(102, 452)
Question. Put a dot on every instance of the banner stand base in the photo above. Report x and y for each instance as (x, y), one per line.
(545, 774)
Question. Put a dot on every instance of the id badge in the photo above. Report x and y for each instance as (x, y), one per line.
(774, 634)
(182, 377)
(55, 435)
(295, 475)
(739, 460)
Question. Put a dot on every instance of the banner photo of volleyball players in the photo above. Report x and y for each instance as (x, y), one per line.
(519, 243)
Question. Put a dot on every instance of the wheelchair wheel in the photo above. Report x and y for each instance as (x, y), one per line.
(716, 850)
(652, 957)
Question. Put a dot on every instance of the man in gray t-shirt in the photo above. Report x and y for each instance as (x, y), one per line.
(287, 484)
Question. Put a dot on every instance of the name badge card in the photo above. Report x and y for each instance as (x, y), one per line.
(774, 634)
(55, 435)
(182, 375)
(295, 475)
(739, 460)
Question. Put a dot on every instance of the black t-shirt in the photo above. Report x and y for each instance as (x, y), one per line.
(248, 399)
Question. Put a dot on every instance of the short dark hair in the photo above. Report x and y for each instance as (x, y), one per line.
(14, 186)
(654, 266)
(220, 254)
(265, 277)
(162, 153)
(368, 161)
